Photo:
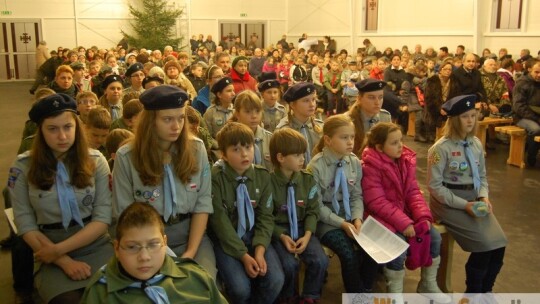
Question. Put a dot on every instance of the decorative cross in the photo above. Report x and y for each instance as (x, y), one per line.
(372, 4)
(25, 38)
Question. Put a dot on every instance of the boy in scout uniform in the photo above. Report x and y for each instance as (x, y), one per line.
(296, 212)
(458, 189)
(221, 109)
(142, 272)
(242, 222)
(273, 111)
(367, 111)
(302, 99)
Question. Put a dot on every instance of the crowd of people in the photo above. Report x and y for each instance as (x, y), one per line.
(250, 160)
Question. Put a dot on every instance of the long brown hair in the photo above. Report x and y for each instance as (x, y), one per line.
(149, 162)
(454, 130)
(42, 171)
(355, 113)
(330, 127)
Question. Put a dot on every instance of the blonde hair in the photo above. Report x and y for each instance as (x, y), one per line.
(149, 162)
(454, 130)
(290, 115)
(330, 127)
(64, 69)
(247, 100)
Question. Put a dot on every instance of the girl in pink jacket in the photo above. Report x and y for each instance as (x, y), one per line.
(392, 196)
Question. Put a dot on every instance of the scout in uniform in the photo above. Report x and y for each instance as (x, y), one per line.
(242, 222)
(296, 212)
(338, 174)
(63, 216)
(248, 111)
(273, 111)
(166, 167)
(142, 272)
(459, 198)
(302, 99)
(367, 111)
(221, 110)
(135, 76)
(112, 95)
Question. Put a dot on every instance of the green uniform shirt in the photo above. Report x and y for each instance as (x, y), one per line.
(185, 282)
(306, 198)
(120, 124)
(225, 218)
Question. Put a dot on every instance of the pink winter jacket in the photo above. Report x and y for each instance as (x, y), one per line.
(391, 193)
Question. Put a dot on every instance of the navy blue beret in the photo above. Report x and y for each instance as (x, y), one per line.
(150, 79)
(110, 79)
(163, 97)
(266, 76)
(370, 85)
(298, 91)
(221, 84)
(52, 105)
(137, 66)
(268, 84)
(459, 104)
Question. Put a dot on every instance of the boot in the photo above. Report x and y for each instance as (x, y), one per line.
(428, 283)
(394, 283)
(489, 279)
(532, 151)
(474, 279)
(419, 130)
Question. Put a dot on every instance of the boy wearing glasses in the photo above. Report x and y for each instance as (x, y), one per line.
(142, 272)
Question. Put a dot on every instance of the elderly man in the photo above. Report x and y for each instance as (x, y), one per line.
(495, 87)
(527, 109)
(256, 63)
(167, 51)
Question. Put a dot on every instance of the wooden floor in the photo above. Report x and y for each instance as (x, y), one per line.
(514, 192)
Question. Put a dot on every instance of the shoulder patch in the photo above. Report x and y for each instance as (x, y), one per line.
(312, 192)
(206, 170)
(434, 157)
(23, 155)
(269, 201)
(13, 175)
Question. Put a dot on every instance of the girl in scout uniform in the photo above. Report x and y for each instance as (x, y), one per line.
(459, 195)
(166, 167)
(296, 212)
(302, 99)
(218, 113)
(338, 174)
(134, 275)
(247, 111)
(112, 96)
(392, 197)
(61, 200)
(273, 111)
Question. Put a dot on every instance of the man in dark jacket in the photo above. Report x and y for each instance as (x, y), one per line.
(46, 72)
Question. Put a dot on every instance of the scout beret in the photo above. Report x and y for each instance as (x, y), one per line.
(298, 91)
(459, 104)
(150, 79)
(51, 105)
(266, 76)
(163, 97)
(268, 84)
(237, 59)
(110, 79)
(105, 69)
(221, 84)
(77, 66)
(370, 85)
(137, 66)
(352, 61)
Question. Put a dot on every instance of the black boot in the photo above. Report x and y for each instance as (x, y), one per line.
(474, 279)
(532, 150)
(491, 276)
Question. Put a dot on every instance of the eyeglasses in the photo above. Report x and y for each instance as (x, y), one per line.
(135, 249)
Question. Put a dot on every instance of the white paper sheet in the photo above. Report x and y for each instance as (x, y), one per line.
(379, 242)
(11, 219)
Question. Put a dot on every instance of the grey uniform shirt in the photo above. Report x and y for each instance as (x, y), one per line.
(323, 167)
(33, 207)
(193, 197)
(447, 163)
(272, 116)
(262, 140)
(370, 121)
(313, 135)
(216, 117)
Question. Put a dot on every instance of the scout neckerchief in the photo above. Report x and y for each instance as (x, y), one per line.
(303, 130)
(257, 160)
(472, 164)
(66, 197)
(291, 210)
(244, 207)
(169, 189)
(341, 180)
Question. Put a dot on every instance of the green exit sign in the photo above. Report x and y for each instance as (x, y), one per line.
(243, 15)
(4, 13)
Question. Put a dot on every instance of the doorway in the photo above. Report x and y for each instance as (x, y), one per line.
(252, 34)
(18, 42)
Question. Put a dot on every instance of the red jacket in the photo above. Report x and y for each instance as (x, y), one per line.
(391, 193)
(241, 83)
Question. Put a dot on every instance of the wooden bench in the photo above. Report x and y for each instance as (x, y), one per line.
(444, 274)
(517, 144)
(411, 126)
(484, 125)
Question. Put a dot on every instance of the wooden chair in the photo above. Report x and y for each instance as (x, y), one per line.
(517, 144)
(444, 275)
(411, 128)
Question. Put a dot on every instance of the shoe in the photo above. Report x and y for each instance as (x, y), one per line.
(428, 283)
(7, 242)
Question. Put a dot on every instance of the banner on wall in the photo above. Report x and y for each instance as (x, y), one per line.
(372, 12)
